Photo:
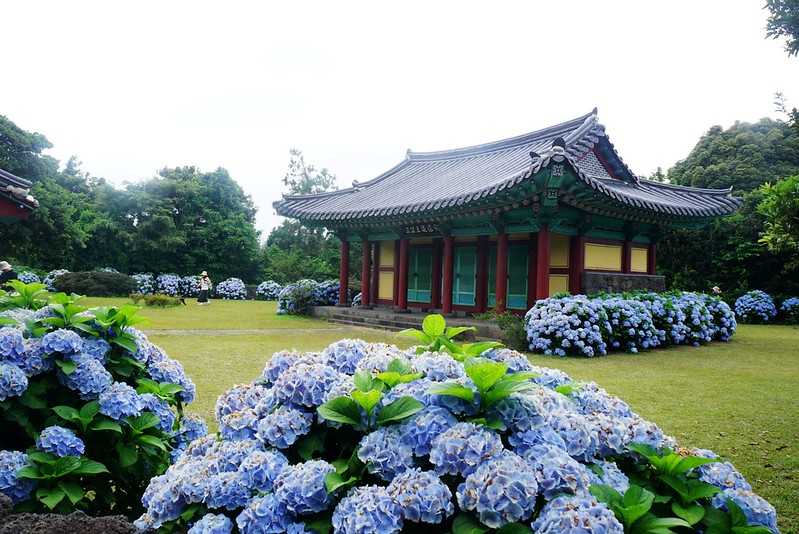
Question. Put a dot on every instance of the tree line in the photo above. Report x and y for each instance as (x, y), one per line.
(184, 220)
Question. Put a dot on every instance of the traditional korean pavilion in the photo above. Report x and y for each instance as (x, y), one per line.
(16, 201)
(502, 224)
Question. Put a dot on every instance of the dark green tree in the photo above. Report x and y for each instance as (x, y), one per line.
(293, 250)
(783, 21)
(780, 208)
(728, 252)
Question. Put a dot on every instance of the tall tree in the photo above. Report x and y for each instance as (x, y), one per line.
(783, 21)
(727, 252)
(294, 251)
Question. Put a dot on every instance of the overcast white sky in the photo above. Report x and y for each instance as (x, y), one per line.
(133, 87)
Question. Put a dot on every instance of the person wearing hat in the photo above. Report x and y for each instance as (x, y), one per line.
(6, 273)
(205, 288)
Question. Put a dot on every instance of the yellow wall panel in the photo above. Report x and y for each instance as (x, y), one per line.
(385, 285)
(559, 251)
(518, 237)
(558, 283)
(638, 259)
(386, 254)
(603, 257)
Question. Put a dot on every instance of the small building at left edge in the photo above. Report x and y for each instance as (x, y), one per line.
(16, 201)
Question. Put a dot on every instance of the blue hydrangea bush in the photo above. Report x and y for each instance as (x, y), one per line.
(231, 289)
(365, 437)
(357, 300)
(91, 409)
(755, 307)
(189, 286)
(28, 277)
(145, 283)
(591, 326)
(268, 290)
(168, 284)
(789, 310)
(326, 293)
(297, 298)
(49, 280)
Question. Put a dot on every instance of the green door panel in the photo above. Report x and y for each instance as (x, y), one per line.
(517, 276)
(420, 274)
(465, 282)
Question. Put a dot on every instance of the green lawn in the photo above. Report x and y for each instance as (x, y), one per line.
(740, 399)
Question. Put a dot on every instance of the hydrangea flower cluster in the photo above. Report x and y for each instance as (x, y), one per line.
(790, 310)
(582, 326)
(268, 290)
(567, 326)
(269, 470)
(356, 300)
(326, 293)
(231, 289)
(145, 283)
(755, 307)
(29, 277)
(49, 280)
(631, 325)
(84, 378)
(168, 284)
(723, 323)
(297, 298)
(189, 286)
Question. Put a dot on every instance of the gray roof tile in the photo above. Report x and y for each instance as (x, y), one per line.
(427, 181)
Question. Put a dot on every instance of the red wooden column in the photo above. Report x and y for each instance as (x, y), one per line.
(576, 263)
(366, 283)
(542, 263)
(626, 256)
(343, 273)
(448, 267)
(402, 286)
(501, 287)
(435, 290)
(651, 258)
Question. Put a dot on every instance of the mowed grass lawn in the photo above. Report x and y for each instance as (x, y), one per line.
(740, 399)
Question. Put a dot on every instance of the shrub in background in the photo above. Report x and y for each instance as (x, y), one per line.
(28, 277)
(789, 309)
(145, 283)
(51, 277)
(106, 270)
(231, 289)
(723, 323)
(631, 326)
(92, 410)
(584, 326)
(168, 284)
(189, 286)
(568, 326)
(297, 298)
(755, 307)
(368, 438)
(326, 293)
(96, 284)
(268, 290)
(158, 300)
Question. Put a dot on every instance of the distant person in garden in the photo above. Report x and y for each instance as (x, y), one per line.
(205, 288)
(6, 273)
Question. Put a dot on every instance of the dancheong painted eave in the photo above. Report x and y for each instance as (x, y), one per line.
(431, 184)
(16, 190)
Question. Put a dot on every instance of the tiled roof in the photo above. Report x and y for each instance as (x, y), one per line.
(426, 182)
(17, 190)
